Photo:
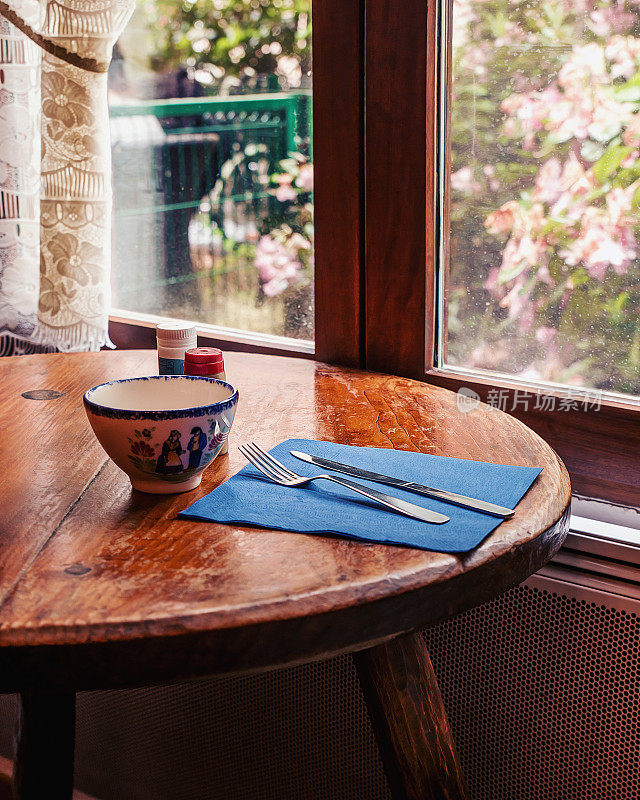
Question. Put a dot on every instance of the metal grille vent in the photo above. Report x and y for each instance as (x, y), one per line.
(300, 734)
(543, 696)
(542, 691)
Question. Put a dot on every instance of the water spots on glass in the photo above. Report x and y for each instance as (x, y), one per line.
(544, 274)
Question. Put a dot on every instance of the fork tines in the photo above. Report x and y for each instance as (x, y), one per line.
(266, 463)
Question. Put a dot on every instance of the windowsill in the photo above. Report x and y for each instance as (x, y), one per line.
(231, 338)
(530, 387)
(604, 538)
(602, 518)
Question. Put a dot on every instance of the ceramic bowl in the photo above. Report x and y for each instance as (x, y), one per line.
(162, 430)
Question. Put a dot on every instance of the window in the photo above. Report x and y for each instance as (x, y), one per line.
(538, 312)
(544, 276)
(210, 105)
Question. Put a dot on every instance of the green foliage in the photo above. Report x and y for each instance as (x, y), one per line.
(240, 43)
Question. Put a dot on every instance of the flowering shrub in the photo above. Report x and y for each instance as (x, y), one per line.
(227, 45)
(267, 218)
(284, 254)
(545, 223)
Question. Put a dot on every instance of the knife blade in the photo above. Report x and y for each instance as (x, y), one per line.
(428, 491)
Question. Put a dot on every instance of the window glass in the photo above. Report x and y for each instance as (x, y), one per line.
(210, 104)
(544, 277)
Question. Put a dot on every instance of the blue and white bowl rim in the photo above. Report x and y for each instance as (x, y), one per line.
(176, 413)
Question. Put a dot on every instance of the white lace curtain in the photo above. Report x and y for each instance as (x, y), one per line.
(55, 171)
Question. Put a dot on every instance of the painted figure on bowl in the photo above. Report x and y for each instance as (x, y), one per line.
(169, 461)
(196, 446)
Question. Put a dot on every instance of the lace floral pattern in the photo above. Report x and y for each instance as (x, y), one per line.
(55, 196)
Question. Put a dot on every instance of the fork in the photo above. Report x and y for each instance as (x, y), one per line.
(273, 469)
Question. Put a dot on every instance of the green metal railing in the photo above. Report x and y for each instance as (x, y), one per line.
(163, 171)
(289, 113)
(200, 135)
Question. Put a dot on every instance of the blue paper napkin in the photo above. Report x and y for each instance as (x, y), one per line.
(324, 507)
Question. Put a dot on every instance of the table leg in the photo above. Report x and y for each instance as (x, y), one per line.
(409, 720)
(46, 736)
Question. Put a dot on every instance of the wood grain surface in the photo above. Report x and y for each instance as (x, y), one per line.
(401, 215)
(338, 156)
(103, 586)
(409, 720)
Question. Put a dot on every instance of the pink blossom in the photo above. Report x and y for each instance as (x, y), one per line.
(304, 181)
(575, 178)
(605, 21)
(289, 67)
(535, 217)
(619, 203)
(489, 172)
(574, 183)
(544, 276)
(631, 136)
(585, 66)
(463, 16)
(548, 181)
(285, 194)
(601, 245)
(285, 191)
(517, 298)
(608, 111)
(624, 53)
(501, 221)
(463, 181)
(571, 117)
(533, 251)
(531, 109)
(491, 283)
(512, 34)
(578, 105)
(521, 253)
(474, 57)
(631, 159)
(298, 242)
(277, 265)
(527, 318)
(548, 109)
(510, 127)
(546, 335)
(578, 7)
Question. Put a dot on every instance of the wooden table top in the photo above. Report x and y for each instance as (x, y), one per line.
(103, 586)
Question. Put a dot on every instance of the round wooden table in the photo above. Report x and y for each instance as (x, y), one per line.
(104, 587)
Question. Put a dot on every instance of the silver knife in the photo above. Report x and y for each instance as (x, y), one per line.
(427, 491)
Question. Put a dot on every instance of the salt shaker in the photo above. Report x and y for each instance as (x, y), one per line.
(174, 339)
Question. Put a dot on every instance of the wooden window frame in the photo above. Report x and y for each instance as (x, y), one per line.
(601, 448)
(381, 80)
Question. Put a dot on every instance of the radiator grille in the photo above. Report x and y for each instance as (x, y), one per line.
(541, 690)
(542, 693)
(300, 733)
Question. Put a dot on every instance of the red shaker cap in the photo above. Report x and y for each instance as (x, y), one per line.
(204, 357)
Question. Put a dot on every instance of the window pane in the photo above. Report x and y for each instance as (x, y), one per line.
(544, 279)
(210, 105)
